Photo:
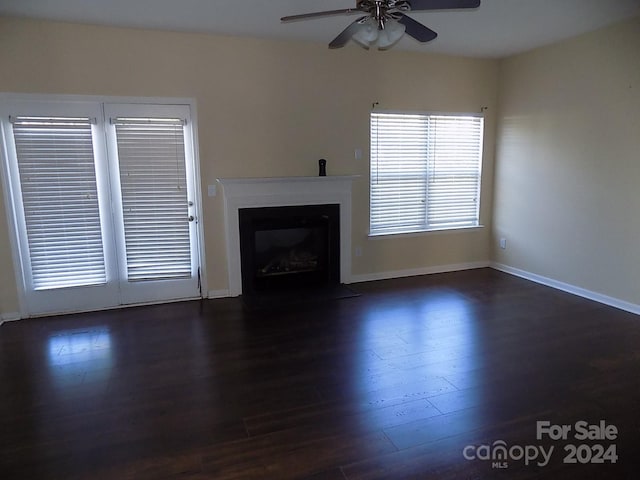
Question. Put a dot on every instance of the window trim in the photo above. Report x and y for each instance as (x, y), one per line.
(422, 233)
(439, 230)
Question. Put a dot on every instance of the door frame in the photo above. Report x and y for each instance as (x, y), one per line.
(11, 209)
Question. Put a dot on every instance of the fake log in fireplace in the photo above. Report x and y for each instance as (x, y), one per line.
(285, 249)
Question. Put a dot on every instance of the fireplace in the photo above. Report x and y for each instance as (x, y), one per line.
(257, 193)
(289, 248)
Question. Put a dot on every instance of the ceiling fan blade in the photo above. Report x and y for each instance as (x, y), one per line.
(417, 30)
(305, 16)
(342, 39)
(443, 4)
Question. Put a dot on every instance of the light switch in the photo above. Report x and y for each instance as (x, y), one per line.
(211, 190)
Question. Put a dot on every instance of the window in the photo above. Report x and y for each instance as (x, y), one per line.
(425, 172)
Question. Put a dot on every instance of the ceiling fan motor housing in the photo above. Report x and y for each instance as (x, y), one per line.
(402, 5)
(383, 10)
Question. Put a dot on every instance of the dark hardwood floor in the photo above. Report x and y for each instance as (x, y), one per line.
(393, 384)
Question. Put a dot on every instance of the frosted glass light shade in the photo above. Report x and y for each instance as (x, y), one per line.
(367, 34)
(393, 31)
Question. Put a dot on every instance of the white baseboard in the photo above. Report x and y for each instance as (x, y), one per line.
(9, 317)
(218, 294)
(413, 272)
(566, 287)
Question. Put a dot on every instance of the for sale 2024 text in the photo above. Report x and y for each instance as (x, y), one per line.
(592, 445)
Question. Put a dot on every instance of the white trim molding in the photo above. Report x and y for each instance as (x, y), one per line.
(9, 317)
(413, 272)
(284, 191)
(566, 287)
(211, 294)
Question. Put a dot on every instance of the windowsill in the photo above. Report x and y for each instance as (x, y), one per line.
(421, 233)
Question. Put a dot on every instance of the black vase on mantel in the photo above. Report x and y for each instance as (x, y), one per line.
(322, 167)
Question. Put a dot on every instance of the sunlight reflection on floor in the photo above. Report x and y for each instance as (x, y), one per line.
(415, 345)
(79, 357)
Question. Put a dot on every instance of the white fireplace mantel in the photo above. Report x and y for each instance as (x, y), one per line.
(284, 191)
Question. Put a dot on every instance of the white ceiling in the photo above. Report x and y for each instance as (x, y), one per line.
(497, 29)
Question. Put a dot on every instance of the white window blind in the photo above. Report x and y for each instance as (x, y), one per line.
(151, 156)
(55, 158)
(425, 172)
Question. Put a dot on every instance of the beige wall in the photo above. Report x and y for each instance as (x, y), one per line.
(265, 108)
(567, 184)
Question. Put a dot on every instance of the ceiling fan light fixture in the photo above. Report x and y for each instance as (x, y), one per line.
(367, 33)
(370, 34)
(392, 33)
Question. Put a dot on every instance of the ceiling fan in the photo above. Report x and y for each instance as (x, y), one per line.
(385, 21)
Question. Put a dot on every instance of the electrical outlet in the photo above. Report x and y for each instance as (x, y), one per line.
(503, 243)
(357, 153)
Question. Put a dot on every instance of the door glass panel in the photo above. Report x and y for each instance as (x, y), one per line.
(55, 157)
(153, 182)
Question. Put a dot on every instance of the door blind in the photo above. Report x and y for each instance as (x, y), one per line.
(55, 159)
(425, 172)
(151, 155)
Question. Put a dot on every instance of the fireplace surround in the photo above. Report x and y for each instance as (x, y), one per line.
(245, 193)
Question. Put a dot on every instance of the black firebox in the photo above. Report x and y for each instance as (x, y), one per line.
(285, 249)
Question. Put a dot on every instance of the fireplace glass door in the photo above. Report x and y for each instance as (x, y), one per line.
(284, 248)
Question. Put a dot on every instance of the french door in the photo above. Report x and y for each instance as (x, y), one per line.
(104, 203)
